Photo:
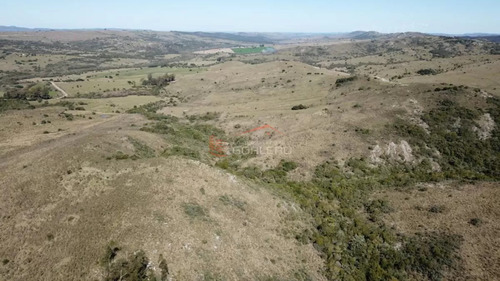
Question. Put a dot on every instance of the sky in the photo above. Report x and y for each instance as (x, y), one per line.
(321, 16)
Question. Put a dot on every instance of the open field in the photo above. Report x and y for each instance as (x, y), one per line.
(110, 105)
(252, 50)
(20, 61)
(113, 80)
(336, 159)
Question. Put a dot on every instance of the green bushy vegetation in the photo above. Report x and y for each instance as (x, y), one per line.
(141, 149)
(429, 253)
(189, 138)
(161, 81)
(195, 211)
(358, 245)
(339, 82)
(177, 150)
(274, 175)
(8, 104)
(158, 83)
(119, 155)
(31, 92)
(299, 107)
(134, 267)
(203, 117)
(452, 132)
(427, 71)
(149, 110)
(347, 227)
(251, 50)
(68, 104)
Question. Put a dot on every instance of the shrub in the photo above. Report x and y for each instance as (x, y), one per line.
(288, 166)
(161, 81)
(12, 104)
(299, 107)
(32, 92)
(427, 71)
(132, 268)
(195, 211)
(204, 117)
(141, 149)
(120, 156)
(110, 253)
(149, 110)
(339, 82)
(430, 253)
(436, 209)
(377, 207)
(69, 116)
(164, 272)
(230, 200)
(475, 221)
(182, 151)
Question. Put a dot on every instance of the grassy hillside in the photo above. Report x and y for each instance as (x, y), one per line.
(366, 159)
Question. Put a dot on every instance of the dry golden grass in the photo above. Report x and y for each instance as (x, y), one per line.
(62, 202)
(65, 195)
(461, 204)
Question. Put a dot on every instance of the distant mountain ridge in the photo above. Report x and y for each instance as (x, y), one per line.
(239, 36)
(274, 37)
(18, 29)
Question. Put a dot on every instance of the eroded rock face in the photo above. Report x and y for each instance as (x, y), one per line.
(375, 155)
(401, 152)
(486, 126)
(406, 151)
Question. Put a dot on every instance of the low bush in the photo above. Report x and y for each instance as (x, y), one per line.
(195, 211)
(427, 71)
(428, 254)
(13, 104)
(463, 155)
(339, 82)
(299, 107)
(32, 92)
(436, 209)
(182, 151)
(136, 266)
(475, 221)
(356, 247)
(204, 117)
(141, 149)
(230, 200)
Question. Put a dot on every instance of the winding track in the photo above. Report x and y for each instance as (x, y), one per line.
(65, 95)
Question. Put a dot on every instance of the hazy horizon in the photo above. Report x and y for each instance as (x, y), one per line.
(236, 31)
(447, 17)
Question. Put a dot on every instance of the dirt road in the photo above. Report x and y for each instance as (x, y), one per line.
(65, 95)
